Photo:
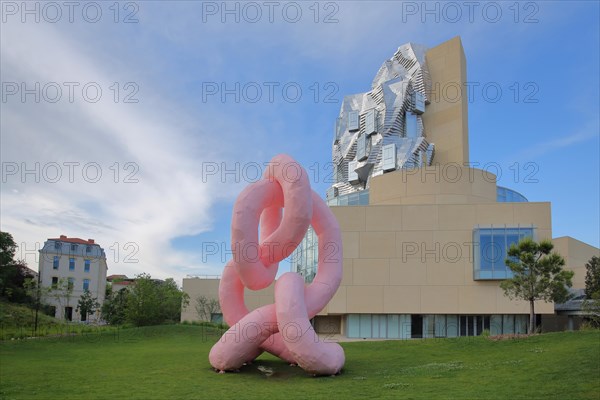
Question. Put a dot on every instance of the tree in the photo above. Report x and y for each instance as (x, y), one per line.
(205, 307)
(87, 305)
(114, 309)
(13, 273)
(592, 277)
(8, 248)
(35, 292)
(172, 300)
(537, 275)
(153, 302)
(591, 309)
(12, 281)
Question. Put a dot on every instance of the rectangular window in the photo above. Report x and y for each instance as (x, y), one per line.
(521, 322)
(389, 157)
(86, 266)
(419, 103)
(353, 326)
(71, 264)
(452, 325)
(353, 124)
(86, 284)
(361, 148)
(57, 245)
(370, 122)
(440, 326)
(410, 125)
(352, 175)
(54, 282)
(73, 247)
(71, 283)
(88, 249)
(55, 262)
(490, 247)
(508, 324)
(496, 325)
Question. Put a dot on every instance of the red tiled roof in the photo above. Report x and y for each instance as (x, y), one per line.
(112, 277)
(63, 238)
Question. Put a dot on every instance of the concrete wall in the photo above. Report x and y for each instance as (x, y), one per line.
(209, 288)
(576, 254)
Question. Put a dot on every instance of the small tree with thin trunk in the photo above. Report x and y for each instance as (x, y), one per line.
(87, 305)
(538, 274)
(205, 307)
(62, 292)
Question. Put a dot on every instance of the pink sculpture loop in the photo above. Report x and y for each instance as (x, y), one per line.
(283, 328)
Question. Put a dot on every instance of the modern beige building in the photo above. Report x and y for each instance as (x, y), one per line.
(423, 247)
(79, 263)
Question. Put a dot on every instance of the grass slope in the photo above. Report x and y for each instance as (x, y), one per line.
(17, 321)
(171, 362)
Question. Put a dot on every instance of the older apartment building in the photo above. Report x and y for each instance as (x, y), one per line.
(424, 235)
(79, 263)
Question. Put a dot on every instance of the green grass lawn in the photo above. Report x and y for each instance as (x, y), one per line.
(171, 362)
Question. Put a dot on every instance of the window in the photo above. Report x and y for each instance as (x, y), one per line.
(54, 282)
(370, 122)
(57, 245)
(306, 256)
(86, 266)
(410, 125)
(71, 283)
(216, 318)
(353, 124)
(392, 326)
(88, 249)
(389, 157)
(352, 175)
(71, 264)
(350, 199)
(73, 247)
(490, 247)
(86, 284)
(55, 262)
(419, 103)
(361, 148)
(504, 195)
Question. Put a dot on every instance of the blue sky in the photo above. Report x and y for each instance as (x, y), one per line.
(163, 208)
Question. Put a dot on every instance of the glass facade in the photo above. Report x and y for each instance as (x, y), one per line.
(305, 258)
(490, 247)
(360, 198)
(506, 195)
(406, 326)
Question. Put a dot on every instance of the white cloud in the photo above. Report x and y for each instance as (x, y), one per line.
(170, 198)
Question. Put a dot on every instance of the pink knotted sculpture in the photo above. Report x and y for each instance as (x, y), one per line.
(283, 328)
